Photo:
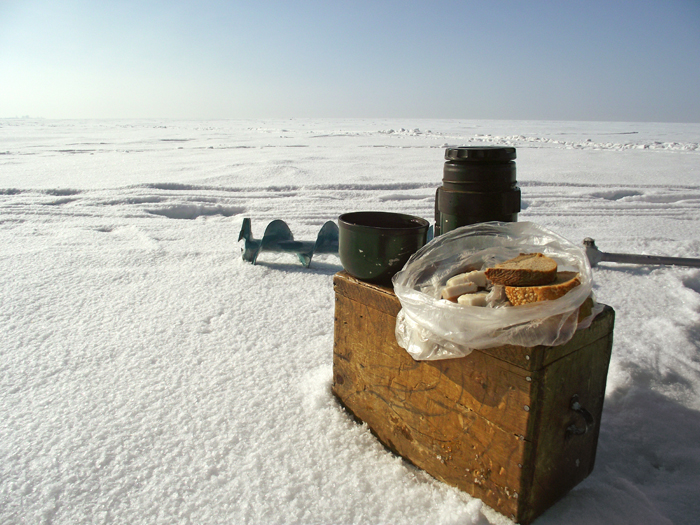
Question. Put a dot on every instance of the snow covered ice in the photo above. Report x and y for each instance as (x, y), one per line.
(149, 375)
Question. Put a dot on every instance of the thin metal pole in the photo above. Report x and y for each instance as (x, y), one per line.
(595, 256)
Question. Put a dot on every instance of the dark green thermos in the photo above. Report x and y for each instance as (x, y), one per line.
(478, 185)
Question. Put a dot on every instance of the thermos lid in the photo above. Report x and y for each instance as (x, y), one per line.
(481, 153)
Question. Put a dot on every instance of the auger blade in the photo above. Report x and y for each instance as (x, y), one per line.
(279, 238)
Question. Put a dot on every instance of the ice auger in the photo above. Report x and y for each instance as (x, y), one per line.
(278, 238)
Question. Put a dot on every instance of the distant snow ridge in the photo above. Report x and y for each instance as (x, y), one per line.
(515, 140)
(192, 211)
(62, 192)
(402, 131)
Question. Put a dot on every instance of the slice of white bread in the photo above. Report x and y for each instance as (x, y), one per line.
(565, 281)
(527, 269)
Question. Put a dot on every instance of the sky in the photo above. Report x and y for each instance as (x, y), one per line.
(612, 60)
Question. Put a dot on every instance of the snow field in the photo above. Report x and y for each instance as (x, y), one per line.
(149, 375)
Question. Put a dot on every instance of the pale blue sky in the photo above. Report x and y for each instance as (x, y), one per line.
(492, 59)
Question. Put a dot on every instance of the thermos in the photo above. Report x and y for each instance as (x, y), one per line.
(478, 185)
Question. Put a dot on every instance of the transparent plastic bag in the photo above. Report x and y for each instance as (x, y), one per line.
(429, 327)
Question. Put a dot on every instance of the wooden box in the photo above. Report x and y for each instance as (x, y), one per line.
(516, 427)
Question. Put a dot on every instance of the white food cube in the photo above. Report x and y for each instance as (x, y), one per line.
(478, 277)
(451, 293)
(473, 299)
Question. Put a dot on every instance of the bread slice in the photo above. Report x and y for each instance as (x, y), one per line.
(565, 281)
(527, 269)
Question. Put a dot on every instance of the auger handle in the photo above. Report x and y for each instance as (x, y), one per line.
(595, 256)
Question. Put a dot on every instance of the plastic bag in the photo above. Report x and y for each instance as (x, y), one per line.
(431, 328)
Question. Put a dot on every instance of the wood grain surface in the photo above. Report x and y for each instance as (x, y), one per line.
(492, 423)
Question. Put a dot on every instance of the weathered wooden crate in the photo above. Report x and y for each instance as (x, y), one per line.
(516, 427)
